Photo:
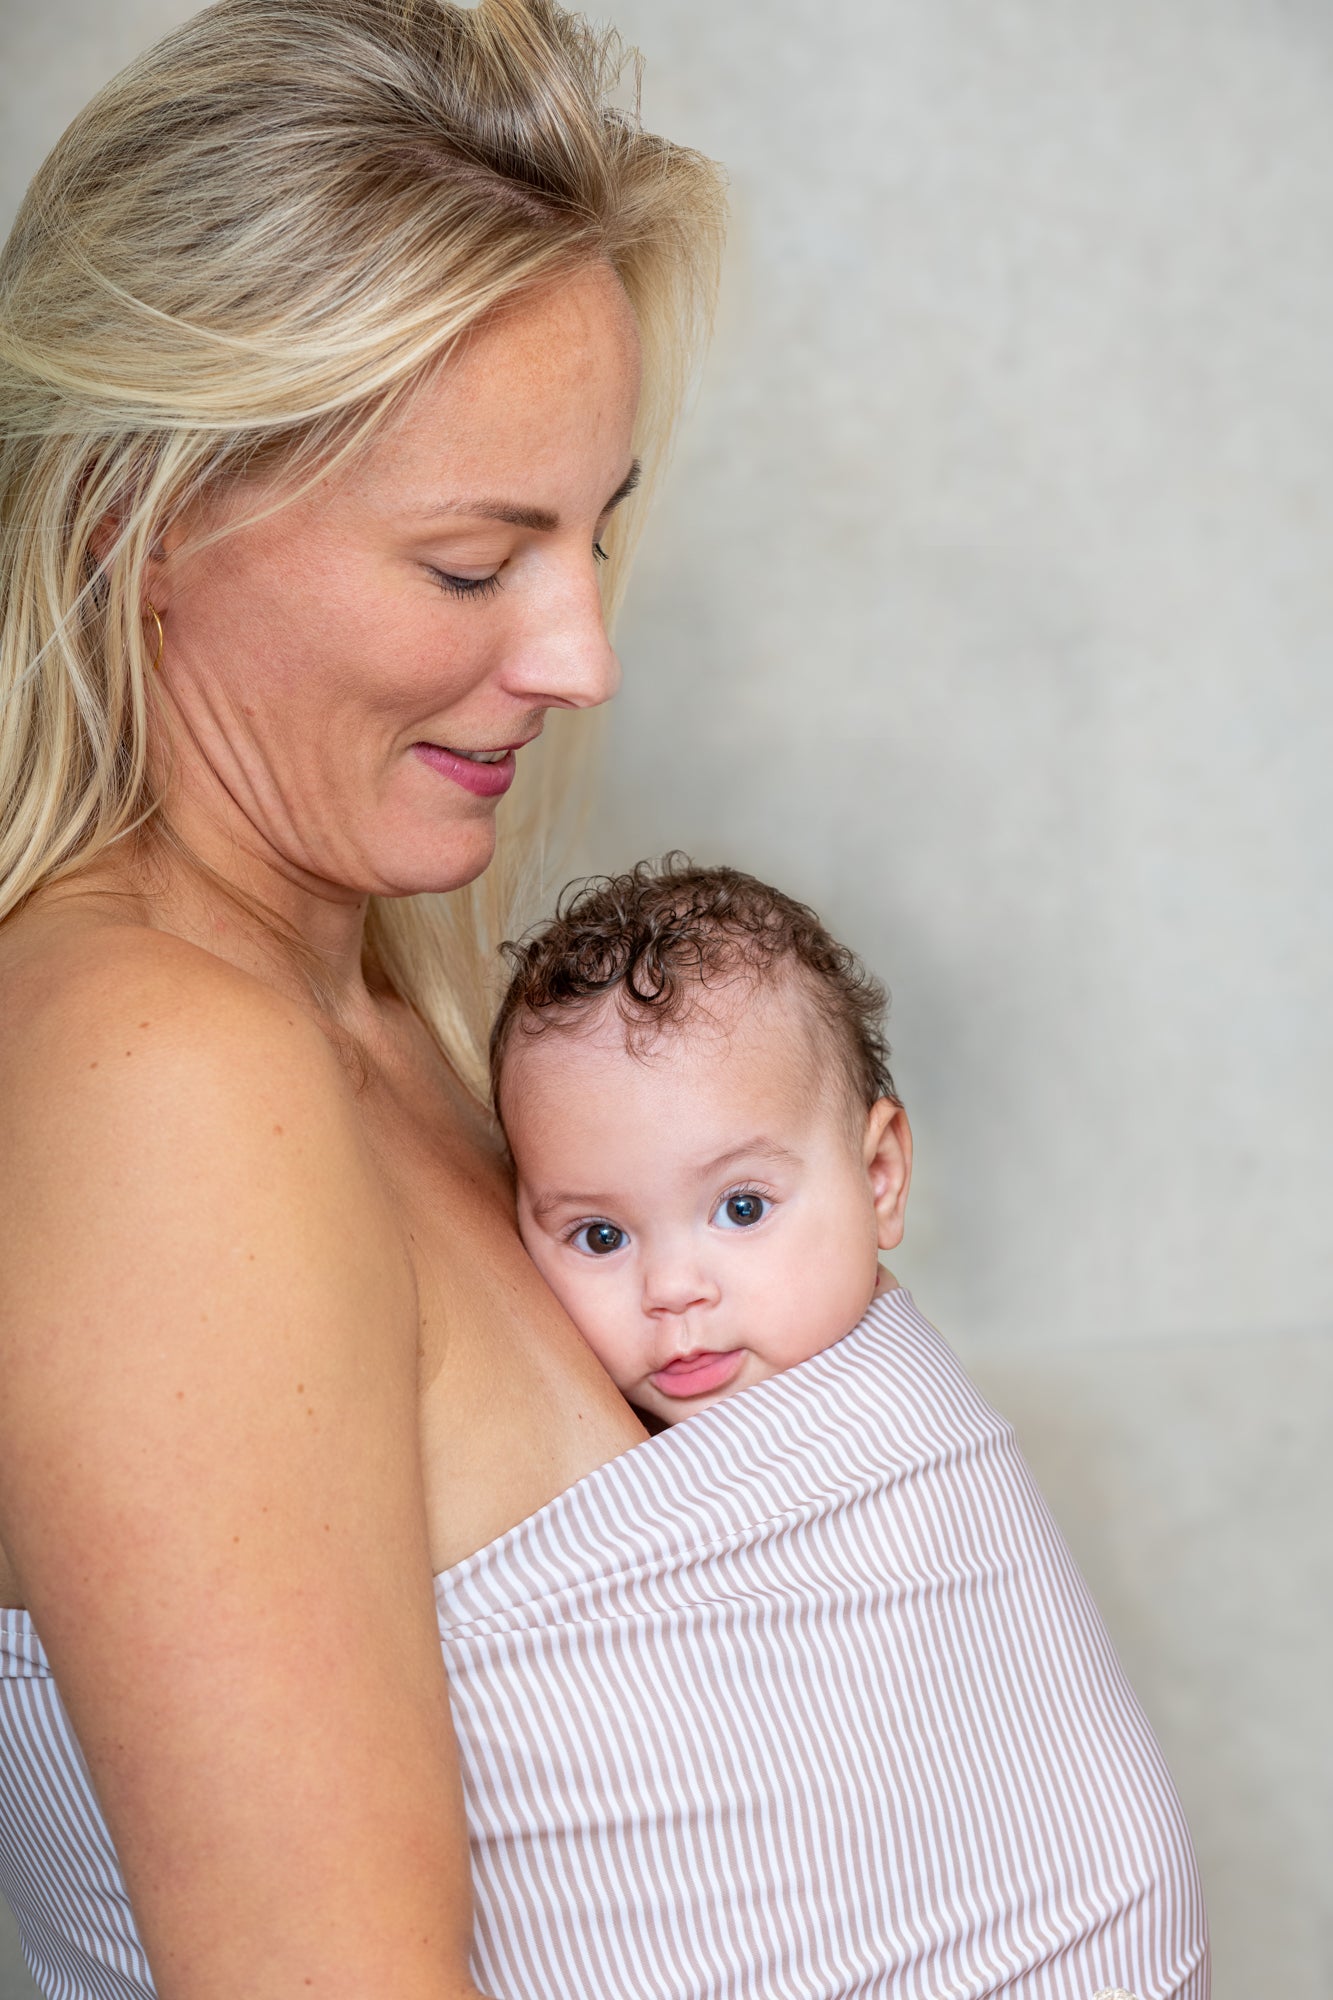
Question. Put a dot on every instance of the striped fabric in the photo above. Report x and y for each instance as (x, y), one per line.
(803, 1698)
(58, 1867)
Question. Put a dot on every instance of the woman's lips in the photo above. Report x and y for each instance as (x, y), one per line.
(698, 1374)
(487, 781)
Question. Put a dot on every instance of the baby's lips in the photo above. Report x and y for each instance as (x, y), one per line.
(699, 1372)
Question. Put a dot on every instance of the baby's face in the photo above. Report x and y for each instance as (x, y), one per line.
(706, 1211)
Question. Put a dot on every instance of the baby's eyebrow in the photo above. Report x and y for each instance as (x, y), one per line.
(760, 1148)
(547, 1204)
(749, 1149)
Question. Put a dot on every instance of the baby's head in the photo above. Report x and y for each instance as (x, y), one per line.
(710, 1153)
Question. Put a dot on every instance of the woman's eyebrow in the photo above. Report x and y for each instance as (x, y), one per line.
(540, 519)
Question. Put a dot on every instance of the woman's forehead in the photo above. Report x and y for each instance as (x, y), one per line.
(554, 376)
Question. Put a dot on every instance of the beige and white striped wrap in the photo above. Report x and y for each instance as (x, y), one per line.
(802, 1700)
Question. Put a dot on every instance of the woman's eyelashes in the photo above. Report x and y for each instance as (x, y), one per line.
(487, 586)
(468, 586)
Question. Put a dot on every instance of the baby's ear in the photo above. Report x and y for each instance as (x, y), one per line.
(888, 1160)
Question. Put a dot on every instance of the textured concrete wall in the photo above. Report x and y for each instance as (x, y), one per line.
(990, 608)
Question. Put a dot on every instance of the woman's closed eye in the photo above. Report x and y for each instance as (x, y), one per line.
(742, 1208)
(468, 586)
(599, 1238)
(487, 586)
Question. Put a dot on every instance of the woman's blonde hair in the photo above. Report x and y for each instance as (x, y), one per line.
(241, 257)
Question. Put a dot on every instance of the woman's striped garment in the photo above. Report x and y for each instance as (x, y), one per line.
(803, 1698)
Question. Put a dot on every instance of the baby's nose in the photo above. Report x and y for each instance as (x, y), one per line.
(677, 1288)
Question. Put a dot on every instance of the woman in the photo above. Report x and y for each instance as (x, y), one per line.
(336, 333)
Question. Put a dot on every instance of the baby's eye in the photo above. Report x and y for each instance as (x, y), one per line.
(599, 1239)
(742, 1209)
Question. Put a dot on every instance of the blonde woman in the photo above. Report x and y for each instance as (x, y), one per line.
(335, 338)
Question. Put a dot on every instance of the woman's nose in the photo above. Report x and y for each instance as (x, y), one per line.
(565, 659)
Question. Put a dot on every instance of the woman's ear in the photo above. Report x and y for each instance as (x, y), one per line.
(888, 1161)
(103, 540)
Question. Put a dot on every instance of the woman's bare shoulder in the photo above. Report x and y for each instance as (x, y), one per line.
(122, 1045)
(169, 1121)
(151, 1090)
(76, 985)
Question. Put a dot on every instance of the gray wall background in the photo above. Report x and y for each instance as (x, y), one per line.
(990, 609)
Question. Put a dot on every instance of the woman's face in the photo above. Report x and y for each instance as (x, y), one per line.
(333, 670)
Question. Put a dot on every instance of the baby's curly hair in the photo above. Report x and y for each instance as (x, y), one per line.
(654, 936)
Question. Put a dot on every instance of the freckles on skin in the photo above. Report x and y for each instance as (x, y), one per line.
(309, 650)
(572, 364)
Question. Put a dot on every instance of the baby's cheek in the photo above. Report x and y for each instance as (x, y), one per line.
(561, 1272)
(554, 1263)
(597, 1305)
(534, 1239)
(815, 1307)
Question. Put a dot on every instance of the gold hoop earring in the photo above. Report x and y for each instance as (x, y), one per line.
(161, 637)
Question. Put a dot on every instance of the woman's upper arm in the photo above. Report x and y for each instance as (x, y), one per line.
(210, 1487)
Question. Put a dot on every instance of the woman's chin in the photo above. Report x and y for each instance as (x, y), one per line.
(436, 865)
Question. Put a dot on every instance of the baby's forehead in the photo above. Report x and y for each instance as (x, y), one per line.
(740, 1016)
(737, 1049)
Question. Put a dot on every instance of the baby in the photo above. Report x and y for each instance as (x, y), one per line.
(710, 1156)
(693, 1079)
